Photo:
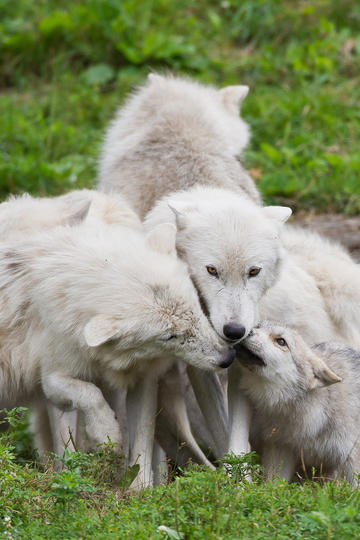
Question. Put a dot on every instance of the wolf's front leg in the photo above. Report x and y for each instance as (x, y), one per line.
(278, 461)
(68, 394)
(40, 428)
(211, 399)
(172, 402)
(239, 414)
(63, 429)
(141, 412)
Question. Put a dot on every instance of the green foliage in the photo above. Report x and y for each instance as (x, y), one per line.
(65, 68)
(200, 505)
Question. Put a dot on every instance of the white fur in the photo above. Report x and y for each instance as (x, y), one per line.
(174, 149)
(300, 414)
(174, 133)
(230, 232)
(96, 302)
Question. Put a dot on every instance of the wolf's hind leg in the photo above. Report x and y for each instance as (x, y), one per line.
(141, 414)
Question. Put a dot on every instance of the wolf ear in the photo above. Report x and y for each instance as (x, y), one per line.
(162, 239)
(78, 215)
(180, 219)
(280, 214)
(322, 374)
(233, 96)
(101, 329)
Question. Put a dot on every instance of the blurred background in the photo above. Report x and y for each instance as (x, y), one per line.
(66, 66)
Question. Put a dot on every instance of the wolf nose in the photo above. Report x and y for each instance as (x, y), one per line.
(229, 358)
(233, 331)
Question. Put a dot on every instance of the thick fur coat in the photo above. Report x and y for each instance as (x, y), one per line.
(305, 403)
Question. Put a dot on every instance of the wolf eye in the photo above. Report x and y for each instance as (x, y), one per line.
(254, 271)
(212, 271)
(281, 341)
(173, 336)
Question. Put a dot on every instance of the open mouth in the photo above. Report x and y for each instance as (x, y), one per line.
(248, 358)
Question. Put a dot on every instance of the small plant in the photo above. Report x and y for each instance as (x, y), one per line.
(242, 468)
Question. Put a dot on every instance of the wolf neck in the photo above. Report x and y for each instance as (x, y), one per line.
(272, 397)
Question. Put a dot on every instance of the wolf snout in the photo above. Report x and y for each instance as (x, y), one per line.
(234, 331)
(228, 359)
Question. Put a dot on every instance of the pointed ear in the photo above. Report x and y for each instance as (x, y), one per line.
(232, 97)
(180, 219)
(78, 215)
(322, 374)
(280, 214)
(163, 239)
(101, 329)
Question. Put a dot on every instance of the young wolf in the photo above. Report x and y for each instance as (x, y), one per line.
(97, 303)
(300, 417)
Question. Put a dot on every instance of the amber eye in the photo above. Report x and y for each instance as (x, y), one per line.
(281, 341)
(254, 271)
(212, 271)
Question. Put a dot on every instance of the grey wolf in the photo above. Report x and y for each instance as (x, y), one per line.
(305, 402)
(96, 302)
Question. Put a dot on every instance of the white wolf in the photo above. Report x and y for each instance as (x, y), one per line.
(173, 149)
(174, 152)
(93, 303)
(25, 215)
(298, 418)
(171, 134)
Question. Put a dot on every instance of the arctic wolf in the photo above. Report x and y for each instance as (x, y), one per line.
(94, 302)
(174, 133)
(173, 149)
(336, 275)
(301, 417)
(174, 152)
(23, 215)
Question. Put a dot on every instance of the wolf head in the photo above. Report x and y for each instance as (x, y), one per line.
(279, 366)
(147, 307)
(216, 109)
(232, 248)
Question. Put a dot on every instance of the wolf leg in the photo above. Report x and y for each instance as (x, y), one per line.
(63, 429)
(173, 403)
(159, 465)
(211, 399)
(141, 412)
(41, 430)
(239, 414)
(278, 461)
(68, 394)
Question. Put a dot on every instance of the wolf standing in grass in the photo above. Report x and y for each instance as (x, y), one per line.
(93, 303)
(306, 402)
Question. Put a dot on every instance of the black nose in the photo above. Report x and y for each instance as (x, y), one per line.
(229, 358)
(233, 331)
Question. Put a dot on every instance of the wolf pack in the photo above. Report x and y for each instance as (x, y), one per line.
(172, 313)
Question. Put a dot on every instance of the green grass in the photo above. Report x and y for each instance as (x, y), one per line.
(77, 503)
(65, 68)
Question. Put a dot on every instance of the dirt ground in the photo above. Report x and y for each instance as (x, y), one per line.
(345, 230)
